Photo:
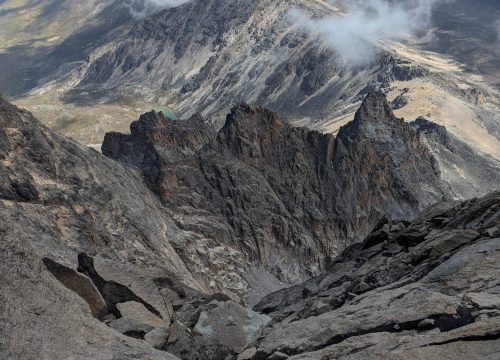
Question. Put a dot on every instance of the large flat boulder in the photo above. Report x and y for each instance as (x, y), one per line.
(223, 330)
(80, 284)
(138, 312)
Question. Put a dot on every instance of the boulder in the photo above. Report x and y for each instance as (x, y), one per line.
(231, 325)
(247, 354)
(139, 279)
(442, 241)
(176, 331)
(138, 312)
(157, 337)
(494, 231)
(226, 330)
(130, 327)
(80, 284)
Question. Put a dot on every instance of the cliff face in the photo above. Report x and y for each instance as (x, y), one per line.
(382, 164)
(421, 289)
(57, 199)
(284, 198)
(258, 186)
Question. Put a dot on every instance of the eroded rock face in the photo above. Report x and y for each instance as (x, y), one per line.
(58, 198)
(409, 289)
(42, 319)
(382, 167)
(266, 193)
(425, 285)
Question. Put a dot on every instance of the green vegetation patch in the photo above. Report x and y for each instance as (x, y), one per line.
(166, 111)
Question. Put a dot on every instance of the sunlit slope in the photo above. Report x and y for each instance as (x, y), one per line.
(43, 22)
(449, 95)
(41, 38)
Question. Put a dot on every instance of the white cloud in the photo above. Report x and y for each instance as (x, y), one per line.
(168, 3)
(355, 34)
(141, 8)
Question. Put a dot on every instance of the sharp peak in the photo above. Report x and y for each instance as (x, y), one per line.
(374, 107)
(244, 111)
(374, 112)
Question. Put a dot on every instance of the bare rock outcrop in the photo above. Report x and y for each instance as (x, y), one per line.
(272, 194)
(59, 199)
(428, 288)
(108, 261)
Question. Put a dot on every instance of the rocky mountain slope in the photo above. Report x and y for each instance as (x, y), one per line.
(410, 290)
(425, 289)
(205, 56)
(280, 194)
(41, 38)
(241, 236)
(92, 267)
(57, 200)
(111, 261)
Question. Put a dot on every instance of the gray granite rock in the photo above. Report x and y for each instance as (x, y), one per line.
(158, 336)
(225, 330)
(436, 297)
(131, 327)
(137, 311)
(162, 245)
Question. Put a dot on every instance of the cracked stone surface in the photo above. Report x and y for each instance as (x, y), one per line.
(436, 297)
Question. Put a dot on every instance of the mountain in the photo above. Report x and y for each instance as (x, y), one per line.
(40, 38)
(205, 56)
(289, 196)
(195, 225)
(59, 198)
(278, 193)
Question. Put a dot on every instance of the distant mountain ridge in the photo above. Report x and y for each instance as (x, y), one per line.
(254, 197)
(205, 56)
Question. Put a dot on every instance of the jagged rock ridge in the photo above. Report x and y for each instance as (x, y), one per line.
(197, 58)
(280, 193)
(281, 197)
